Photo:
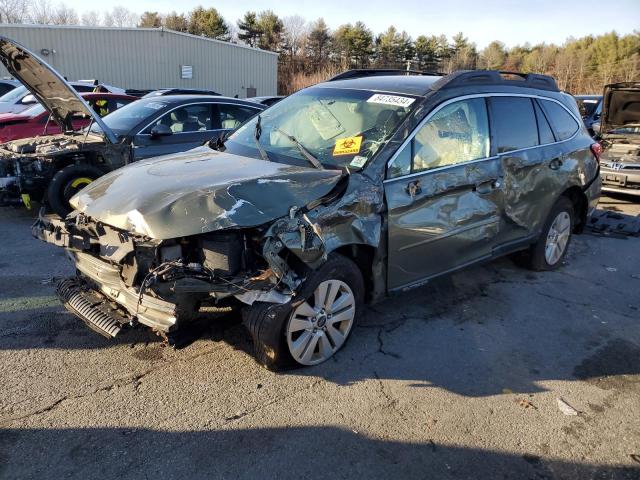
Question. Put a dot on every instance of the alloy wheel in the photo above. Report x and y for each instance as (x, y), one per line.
(557, 238)
(319, 326)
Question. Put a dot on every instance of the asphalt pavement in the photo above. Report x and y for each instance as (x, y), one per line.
(494, 372)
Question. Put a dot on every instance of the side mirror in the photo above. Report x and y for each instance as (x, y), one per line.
(160, 130)
(28, 99)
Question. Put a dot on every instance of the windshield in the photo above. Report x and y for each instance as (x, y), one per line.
(340, 127)
(14, 95)
(124, 119)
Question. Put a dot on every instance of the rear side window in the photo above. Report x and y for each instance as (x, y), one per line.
(230, 117)
(514, 123)
(563, 124)
(544, 129)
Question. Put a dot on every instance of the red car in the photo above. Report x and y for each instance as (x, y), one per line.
(33, 121)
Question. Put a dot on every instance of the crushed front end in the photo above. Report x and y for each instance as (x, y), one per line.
(126, 279)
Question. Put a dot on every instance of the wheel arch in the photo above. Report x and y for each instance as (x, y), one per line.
(364, 256)
(580, 206)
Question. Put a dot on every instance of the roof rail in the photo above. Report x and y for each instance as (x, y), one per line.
(464, 78)
(376, 72)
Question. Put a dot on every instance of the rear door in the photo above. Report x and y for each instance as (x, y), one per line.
(444, 195)
(536, 167)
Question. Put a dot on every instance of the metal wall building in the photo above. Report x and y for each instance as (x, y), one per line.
(149, 58)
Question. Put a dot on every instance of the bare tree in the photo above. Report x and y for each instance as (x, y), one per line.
(64, 15)
(41, 12)
(90, 18)
(121, 17)
(296, 30)
(13, 11)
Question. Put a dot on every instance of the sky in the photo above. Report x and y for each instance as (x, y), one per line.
(512, 22)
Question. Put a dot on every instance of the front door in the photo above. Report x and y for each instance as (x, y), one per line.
(191, 126)
(444, 196)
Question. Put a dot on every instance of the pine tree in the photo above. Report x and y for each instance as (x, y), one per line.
(250, 30)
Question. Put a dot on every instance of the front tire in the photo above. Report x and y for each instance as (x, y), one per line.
(552, 245)
(312, 329)
(66, 183)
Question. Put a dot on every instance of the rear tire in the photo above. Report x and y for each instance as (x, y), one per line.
(66, 183)
(308, 331)
(552, 245)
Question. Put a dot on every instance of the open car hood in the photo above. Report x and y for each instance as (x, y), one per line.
(200, 191)
(49, 88)
(621, 105)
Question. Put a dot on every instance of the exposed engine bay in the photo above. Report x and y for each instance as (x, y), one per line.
(27, 165)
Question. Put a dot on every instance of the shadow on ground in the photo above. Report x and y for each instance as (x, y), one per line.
(304, 452)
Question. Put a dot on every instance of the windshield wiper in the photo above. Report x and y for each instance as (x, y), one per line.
(256, 136)
(313, 160)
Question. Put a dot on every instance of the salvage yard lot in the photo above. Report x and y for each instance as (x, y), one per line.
(458, 379)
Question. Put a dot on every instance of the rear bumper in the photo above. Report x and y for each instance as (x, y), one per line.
(624, 180)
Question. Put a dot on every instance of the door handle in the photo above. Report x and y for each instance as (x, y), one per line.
(555, 164)
(414, 188)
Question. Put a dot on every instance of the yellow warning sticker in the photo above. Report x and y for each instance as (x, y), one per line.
(347, 146)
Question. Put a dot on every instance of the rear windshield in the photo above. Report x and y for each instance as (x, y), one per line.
(339, 127)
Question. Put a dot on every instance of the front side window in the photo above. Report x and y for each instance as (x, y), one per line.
(514, 123)
(457, 133)
(341, 128)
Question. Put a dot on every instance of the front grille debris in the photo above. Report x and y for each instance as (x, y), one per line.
(74, 298)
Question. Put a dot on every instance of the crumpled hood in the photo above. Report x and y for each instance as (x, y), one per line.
(200, 191)
(49, 88)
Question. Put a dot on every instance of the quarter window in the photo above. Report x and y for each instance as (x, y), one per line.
(457, 133)
(564, 125)
(514, 123)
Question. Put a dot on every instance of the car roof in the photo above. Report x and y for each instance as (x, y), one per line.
(106, 95)
(405, 84)
(423, 83)
(177, 99)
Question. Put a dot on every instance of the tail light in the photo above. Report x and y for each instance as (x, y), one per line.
(596, 149)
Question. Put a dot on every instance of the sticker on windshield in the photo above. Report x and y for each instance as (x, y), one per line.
(347, 146)
(395, 100)
(358, 161)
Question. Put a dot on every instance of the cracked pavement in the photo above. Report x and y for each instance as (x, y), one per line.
(457, 379)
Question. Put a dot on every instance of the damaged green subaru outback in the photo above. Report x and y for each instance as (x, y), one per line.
(370, 183)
